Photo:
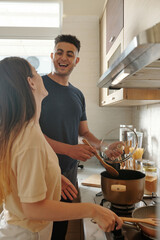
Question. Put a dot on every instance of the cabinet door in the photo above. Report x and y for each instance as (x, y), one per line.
(114, 21)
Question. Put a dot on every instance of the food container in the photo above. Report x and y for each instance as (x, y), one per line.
(131, 137)
(137, 155)
(139, 165)
(123, 132)
(151, 178)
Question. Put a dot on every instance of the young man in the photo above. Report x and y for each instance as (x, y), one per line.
(63, 117)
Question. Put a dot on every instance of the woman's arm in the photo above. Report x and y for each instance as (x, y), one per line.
(59, 211)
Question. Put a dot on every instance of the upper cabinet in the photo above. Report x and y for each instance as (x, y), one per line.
(114, 21)
(116, 31)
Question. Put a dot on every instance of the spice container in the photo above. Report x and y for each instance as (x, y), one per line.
(151, 178)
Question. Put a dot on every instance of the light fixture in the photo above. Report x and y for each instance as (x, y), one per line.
(123, 74)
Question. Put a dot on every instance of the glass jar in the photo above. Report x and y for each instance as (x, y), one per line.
(151, 177)
(139, 165)
(123, 132)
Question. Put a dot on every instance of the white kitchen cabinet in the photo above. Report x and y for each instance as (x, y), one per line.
(138, 16)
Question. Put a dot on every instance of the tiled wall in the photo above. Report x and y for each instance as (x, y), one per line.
(86, 75)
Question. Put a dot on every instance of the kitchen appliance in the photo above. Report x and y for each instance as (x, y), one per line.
(125, 189)
(139, 64)
(129, 231)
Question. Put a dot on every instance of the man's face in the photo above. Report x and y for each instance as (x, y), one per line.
(65, 58)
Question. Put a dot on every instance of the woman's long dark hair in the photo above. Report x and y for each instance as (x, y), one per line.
(17, 107)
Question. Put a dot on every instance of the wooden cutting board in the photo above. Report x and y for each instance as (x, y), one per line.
(92, 181)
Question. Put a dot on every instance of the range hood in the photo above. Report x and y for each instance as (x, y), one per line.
(138, 66)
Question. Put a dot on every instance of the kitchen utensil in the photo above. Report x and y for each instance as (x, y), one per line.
(150, 221)
(125, 189)
(125, 154)
(109, 168)
(146, 212)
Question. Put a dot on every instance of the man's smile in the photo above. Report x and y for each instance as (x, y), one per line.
(63, 65)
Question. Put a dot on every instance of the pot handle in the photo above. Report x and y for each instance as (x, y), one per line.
(118, 188)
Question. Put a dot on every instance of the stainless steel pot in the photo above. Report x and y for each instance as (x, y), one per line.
(125, 189)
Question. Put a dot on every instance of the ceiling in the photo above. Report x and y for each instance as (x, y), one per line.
(83, 7)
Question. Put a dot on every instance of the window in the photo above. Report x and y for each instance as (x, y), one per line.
(30, 19)
(37, 52)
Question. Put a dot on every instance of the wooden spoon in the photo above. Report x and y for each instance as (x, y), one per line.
(151, 221)
(109, 168)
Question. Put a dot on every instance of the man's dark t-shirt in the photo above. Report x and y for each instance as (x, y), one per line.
(62, 111)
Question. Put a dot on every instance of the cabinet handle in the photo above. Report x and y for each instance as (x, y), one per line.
(111, 39)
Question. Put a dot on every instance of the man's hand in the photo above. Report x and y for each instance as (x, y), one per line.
(113, 150)
(81, 152)
(68, 189)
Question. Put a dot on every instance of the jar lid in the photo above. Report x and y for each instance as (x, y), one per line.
(148, 163)
(150, 169)
(149, 166)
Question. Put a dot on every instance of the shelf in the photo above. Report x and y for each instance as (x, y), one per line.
(132, 97)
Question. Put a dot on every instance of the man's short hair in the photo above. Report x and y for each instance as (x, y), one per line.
(68, 38)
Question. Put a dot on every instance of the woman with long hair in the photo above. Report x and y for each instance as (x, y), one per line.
(31, 183)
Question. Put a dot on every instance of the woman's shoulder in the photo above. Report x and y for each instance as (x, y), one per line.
(30, 137)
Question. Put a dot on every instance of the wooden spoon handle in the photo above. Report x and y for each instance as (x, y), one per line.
(110, 169)
(138, 220)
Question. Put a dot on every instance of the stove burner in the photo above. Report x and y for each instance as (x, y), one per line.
(122, 209)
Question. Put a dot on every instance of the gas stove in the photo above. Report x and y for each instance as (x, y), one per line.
(129, 231)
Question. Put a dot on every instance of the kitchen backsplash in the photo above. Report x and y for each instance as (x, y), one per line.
(146, 119)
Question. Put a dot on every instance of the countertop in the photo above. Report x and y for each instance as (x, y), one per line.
(87, 194)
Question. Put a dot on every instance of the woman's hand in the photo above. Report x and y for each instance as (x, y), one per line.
(68, 189)
(106, 219)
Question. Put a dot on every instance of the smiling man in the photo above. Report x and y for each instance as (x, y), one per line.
(63, 117)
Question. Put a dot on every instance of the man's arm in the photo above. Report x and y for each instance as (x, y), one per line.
(80, 151)
(85, 133)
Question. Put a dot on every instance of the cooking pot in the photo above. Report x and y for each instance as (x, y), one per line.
(125, 189)
(146, 212)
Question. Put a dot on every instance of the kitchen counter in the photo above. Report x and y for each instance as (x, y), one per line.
(87, 194)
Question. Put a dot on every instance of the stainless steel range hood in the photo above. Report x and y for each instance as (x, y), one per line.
(138, 66)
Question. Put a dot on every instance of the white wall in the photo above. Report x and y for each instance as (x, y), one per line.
(146, 119)
(86, 75)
